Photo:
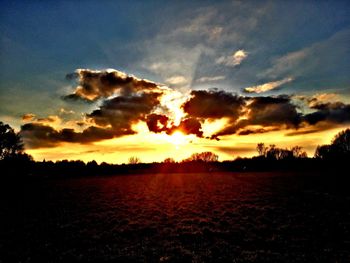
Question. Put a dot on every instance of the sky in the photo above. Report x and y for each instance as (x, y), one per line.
(107, 80)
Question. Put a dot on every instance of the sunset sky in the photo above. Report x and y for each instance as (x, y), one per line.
(107, 80)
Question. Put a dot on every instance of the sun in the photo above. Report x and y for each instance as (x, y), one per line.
(178, 138)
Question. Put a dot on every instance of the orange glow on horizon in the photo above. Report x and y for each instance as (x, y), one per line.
(155, 147)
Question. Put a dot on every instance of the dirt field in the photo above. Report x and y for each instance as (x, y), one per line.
(225, 217)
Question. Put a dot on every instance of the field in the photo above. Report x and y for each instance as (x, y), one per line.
(211, 217)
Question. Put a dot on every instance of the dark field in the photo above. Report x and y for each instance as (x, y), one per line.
(222, 217)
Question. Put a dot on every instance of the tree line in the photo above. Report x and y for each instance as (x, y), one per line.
(13, 156)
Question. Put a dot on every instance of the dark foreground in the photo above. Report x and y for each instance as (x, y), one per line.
(220, 217)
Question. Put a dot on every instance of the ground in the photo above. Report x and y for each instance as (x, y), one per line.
(210, 217)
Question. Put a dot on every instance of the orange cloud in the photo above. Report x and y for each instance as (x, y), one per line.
(267, 86)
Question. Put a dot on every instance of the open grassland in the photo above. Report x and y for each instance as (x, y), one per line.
(209, 217)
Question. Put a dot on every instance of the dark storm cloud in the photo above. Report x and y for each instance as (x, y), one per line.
(277, 113)
(327, 109)
(255, 131)
(268, 111)
(138, 100)
(213, 104)
(303, 132)
(36, 135)
(114, 118)
(123, 111)
(190, 126)
(333, 113)
(272, 112)
(160, 123)
(157, 123)
(96, 84)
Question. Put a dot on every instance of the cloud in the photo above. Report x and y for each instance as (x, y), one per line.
(37, 135)
(326, 110)
(157, 123)
(287, 63)
(176, 80)
(323, 64)
(160, 123)
(96, 84)
(273, 111)
(115, 116)
(317, 99)
(190, 126)
(209, 79)
(255, 131)
(135, 100)
(233, 60)
(121, 112)
(331, 112)
(270, 113)
(49, 119)
(303, 132)
(234, 150)
(65, 112)
(213, 104)
(265, 114)
(267, 86)
(28, 117)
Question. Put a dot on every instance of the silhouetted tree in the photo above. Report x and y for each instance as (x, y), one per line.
(169, 160)
(323, 152)
(338, 149)
(298, 152)
(204, 157)
(341, 142)
(10, 142)
(92, 164)
(261, 149)
(274, 153)
(134, 160)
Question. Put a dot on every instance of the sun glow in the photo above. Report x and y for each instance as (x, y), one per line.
(172, 100)
(178, 138)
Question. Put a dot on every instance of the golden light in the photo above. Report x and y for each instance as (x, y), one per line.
(173, 100)
(178, 138)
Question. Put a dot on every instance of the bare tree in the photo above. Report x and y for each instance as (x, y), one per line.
(134, 160)
(204, 157)
(274, 153)
(261, 149)
(298, 152)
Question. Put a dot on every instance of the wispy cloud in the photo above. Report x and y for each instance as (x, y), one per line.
(316, 62)
(267, 86)
(233, 60)
(210, 79)
(176, 80)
